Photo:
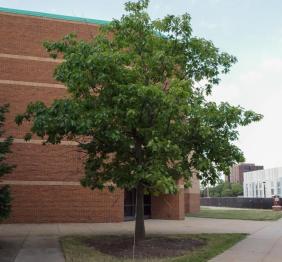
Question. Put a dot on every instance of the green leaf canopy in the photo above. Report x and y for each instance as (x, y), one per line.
(135, 107)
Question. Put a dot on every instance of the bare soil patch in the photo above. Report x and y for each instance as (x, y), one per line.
(151, 247)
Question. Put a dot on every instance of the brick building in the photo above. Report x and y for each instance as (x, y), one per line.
(237, 172)
(45, 185)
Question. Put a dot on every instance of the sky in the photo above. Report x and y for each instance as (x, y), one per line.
(249, 29)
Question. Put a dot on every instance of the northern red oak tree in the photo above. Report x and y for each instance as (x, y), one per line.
(134, 96)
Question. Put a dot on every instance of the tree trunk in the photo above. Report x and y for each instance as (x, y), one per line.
(139, 222)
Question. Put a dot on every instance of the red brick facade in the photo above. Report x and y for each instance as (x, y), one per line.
(24, 35)
(31, 71)
(192, 197)
(192, 202)
(56, 203)
(168, 206)
(19, 96)
(45, 184)
(36, 162)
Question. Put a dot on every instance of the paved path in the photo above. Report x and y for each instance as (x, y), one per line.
(30, 248)
(264, 245)
(39, 242)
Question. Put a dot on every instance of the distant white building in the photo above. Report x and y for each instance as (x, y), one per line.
(263, 183)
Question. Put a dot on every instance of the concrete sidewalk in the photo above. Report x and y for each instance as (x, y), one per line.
(263, 245)
(189, 225)
(30, 248)
(39, 242)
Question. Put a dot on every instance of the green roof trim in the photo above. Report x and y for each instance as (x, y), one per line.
(54, 16)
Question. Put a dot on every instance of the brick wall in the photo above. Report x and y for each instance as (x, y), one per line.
(168, 206)
(53, 204)
(24, 35)
(192, 203)
(31, 71)
(45, 184)
(36, 162)
(192, 197)
(19, 96)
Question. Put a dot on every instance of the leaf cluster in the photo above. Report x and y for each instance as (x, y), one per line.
(5, 168)
(134, 107)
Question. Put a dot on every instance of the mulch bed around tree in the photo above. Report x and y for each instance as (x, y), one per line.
(151, 247)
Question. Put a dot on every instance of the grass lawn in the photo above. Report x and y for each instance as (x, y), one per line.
(250, 214)
(77, 248)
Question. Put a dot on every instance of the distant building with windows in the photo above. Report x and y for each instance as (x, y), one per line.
(237, 171)
(263, 183)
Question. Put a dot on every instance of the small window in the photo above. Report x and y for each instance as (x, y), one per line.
(253, 189)
(272, 188)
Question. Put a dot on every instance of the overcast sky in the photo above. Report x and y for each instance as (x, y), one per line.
(248, 29)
